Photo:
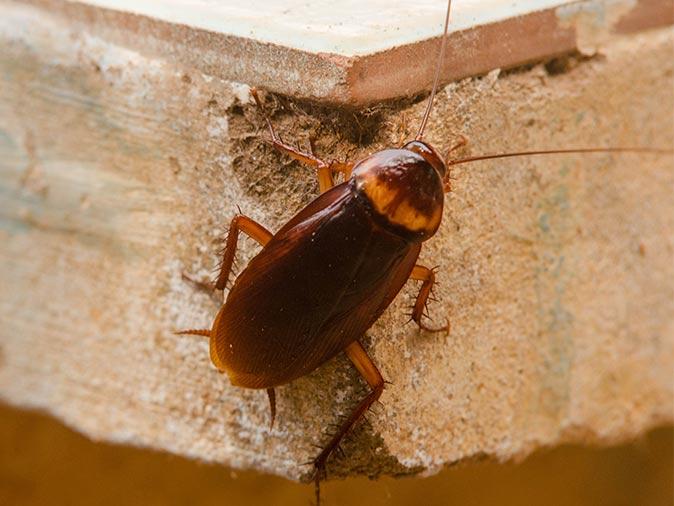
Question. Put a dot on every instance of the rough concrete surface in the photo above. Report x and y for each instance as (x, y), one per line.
(118, 172)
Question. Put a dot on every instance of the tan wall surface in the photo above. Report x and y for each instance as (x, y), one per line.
(119, 172)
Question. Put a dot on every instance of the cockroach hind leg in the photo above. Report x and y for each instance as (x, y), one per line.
(371, 374)
(203, 286)
(318, 471)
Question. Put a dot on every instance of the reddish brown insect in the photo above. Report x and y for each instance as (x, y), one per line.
(326, 276)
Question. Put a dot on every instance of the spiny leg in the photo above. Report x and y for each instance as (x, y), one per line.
(239, 223)
(325, 170)
(426, 275)
(369, 371)
(205, 333)
(194, 332)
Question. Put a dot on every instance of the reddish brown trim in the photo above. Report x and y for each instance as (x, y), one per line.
(355, 81)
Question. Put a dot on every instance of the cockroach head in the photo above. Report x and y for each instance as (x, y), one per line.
(429, 154)
(404, 188)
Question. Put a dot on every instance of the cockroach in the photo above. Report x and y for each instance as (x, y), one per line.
(323, 279)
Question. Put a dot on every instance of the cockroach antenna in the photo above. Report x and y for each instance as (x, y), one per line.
(436, 80)
(655, 151)
(460, 161)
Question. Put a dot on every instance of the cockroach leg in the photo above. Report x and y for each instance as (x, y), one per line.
(194, 332)
(272, 406)
(369, 371)
(206, 286)
(238, 223)
(325, 170)
(463, 140)
(251, 228)
(426, 275)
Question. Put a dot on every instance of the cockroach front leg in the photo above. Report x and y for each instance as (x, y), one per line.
(369, 371)
(426, 275)
(239, 223)
(325, 170)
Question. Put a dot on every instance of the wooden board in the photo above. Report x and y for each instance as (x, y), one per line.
(356, 53)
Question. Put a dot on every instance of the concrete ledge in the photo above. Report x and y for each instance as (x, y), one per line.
(293, 52)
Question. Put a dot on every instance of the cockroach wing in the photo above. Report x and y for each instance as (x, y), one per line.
(317, 286)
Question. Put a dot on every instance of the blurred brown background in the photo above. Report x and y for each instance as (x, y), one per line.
(44, 463)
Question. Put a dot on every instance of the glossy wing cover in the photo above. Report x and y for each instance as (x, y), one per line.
(317, 286)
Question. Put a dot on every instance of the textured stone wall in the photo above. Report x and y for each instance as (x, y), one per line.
(119, 172)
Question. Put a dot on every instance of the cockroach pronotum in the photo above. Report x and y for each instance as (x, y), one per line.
(327, 275)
